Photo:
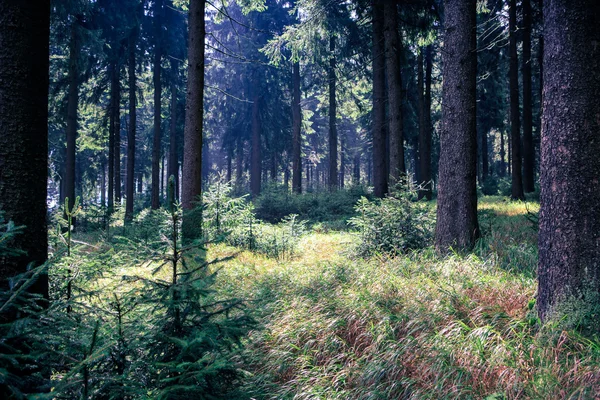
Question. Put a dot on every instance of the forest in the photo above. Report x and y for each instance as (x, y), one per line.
(299, 199)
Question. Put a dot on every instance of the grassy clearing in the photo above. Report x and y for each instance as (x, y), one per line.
(417, 326)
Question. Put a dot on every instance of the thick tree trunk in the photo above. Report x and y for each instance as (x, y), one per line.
(515, 124)
(297, 131)
(194, 116)
(333, 136)
(173, 156)
(24, 55)
(380, 173)
(457, 225)
(229, 162)
(393, 48)
(256, 159)
(129, 192)
(425, 125)
(569, 255)
(72, 103)
(528, 147)
(156, 139)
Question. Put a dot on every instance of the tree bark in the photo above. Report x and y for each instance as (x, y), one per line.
(239, 162)
(24, 55)
(425, 125)
(515, 123)
(173, 156)
(156, 139)
(72, 103)
(457, 225)
(111, 136)
(129, 190)
(393, 48)
(380, 174)
(256, 159)
(528, 147)
(569, 256)
(117, 133)
(333, 135)
(297, 131)
(194, 117)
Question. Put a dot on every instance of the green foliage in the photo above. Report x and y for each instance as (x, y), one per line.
(393, 225)
(275, 203)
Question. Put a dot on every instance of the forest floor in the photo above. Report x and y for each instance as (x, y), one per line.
(337, 326)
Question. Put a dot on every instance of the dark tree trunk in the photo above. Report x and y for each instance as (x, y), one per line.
(140, 183)
(297, 132)
(515, 124)
(156, 139)
(256, 159)
(457, 225)
(333, 136)
(111, 136)
(132, 128)
(72, 103)
(117, 141)
(173, 156)
(103, 184)
(342, 159)
(393, 48)
(24, 55)
(569, 256)
(229, 162)
(425, 125)
(194, 116)
(502, 171)
(380, 174)
(239, 166)
(528, 147)
(356, 169)
(273, 167)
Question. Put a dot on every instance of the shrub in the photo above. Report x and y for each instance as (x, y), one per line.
(393, 225)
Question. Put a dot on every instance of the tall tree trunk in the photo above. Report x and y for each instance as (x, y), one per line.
(117, 141)
(103, 184)
(194, 116)
(425, 127)
(380, 174)
(502, 171)
(24, 55)
(356, 168)
(515, 124)
(156, 139)
(569, 255)
(229, 162)
(129, 192)
(239, 160)
(173, 156)
(457, 225)
(111, 136)
(393, 48)
(256, 159)
(528, 147)
(297, 131)
(333, 136)
(72, 103)
(342, 159)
